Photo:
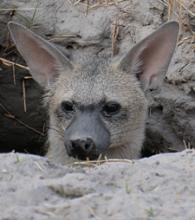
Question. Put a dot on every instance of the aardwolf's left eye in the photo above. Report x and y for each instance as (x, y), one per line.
(67, 106)
(111, 108)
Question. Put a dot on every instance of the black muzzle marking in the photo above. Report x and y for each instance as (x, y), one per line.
(87, 136)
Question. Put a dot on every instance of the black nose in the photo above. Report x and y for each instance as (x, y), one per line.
(82, 148)
(85, 145)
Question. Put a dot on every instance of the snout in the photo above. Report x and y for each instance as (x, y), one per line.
(86, 136)
(82, 149)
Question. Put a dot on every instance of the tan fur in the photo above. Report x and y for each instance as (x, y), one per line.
(96, 77)
(126, 138)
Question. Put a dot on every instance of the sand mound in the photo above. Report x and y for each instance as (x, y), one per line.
(159, 187)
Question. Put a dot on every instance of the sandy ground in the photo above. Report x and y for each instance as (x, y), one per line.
(160, 187)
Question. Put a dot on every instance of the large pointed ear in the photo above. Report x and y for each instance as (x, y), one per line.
(150, 58)
(43, 59)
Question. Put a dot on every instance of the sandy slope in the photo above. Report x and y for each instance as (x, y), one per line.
(159, 187)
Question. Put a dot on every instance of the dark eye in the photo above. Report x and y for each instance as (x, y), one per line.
(67, 107)
(111, 108)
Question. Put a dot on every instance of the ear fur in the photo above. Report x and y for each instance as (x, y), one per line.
(150, 58)
(42, 57)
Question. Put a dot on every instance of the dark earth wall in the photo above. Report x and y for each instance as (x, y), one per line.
(20, 130)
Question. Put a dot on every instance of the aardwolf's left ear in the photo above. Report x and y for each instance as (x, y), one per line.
(42, 57)
(150, 58)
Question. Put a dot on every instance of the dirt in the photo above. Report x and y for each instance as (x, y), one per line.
(160, 187)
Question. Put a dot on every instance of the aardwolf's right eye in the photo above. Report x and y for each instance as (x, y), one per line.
(67, 107)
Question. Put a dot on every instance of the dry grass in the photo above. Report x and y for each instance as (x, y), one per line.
(95, 3)
(12, 64)
(11, 116)
(9, 63)
(183, 10)
(7, 113)
(101, 161)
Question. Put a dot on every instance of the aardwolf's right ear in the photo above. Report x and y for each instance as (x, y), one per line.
(42, 58)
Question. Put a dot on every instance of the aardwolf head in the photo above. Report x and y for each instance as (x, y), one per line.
(96, 106)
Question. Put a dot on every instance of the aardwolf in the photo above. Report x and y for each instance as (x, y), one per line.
(96, 106)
